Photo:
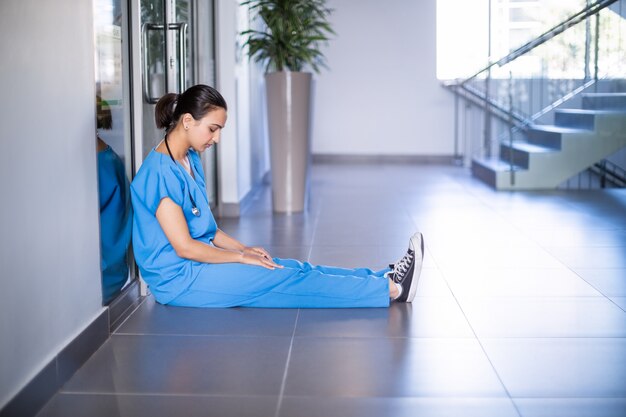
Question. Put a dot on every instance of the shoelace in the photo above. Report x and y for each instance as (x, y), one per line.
(401, 268)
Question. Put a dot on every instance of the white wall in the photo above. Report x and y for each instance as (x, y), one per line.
(381, 95)
(49, 244)
(259, 137)
(226, 31)
(243, 150)
(242, 75)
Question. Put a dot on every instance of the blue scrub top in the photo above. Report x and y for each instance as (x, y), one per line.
(115, 222)
(167, 274)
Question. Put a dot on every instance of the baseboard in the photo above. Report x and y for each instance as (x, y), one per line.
(235, 209)
(35, 394)
(228, 210)
(377, 159)
(123, 304)
(267, 179)
(59, 370)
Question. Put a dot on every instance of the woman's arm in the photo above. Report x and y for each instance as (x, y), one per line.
(174, 225)
(225, 241)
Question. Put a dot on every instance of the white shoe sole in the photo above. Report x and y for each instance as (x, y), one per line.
(418, 247)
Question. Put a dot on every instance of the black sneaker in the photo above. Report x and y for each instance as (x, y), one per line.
(406, 271)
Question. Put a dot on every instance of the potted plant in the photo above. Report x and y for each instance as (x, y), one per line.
(288, 45)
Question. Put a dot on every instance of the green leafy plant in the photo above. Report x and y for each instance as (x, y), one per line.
(293, 31)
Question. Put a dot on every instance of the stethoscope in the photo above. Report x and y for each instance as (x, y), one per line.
(194, 209)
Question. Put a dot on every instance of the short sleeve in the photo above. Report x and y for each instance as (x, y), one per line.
(155, 182)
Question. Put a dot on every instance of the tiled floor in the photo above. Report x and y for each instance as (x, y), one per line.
(520, 312)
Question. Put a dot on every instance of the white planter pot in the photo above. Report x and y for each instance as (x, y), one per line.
(289, 104)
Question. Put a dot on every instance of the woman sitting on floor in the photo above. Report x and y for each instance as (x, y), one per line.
(186, 260)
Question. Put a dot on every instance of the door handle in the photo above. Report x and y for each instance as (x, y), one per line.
(181, 28)
(182, 55)
(147, 79)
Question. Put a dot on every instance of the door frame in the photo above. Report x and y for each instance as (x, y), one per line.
(202, 39)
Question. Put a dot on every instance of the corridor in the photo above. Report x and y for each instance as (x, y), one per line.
(520, 311)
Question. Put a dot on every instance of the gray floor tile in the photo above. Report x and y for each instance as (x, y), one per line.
(609, 281)
(563, 220)
(426, 317)
(461, 217)
(390, 367)
(154, 318)
(620, 301)
(517, 282)
(544, 317)
(469, 235)
(184, 365)
(555, 214)
(571, 407)
(252, 237)
(261, 232)
(432, 284)
(266, 220)
(347, 256)
(591, 257)
(520, 264)
(565, 237)
(343, 235)
(396, 407)
(479, 255)
(560, 367)
(110, 405)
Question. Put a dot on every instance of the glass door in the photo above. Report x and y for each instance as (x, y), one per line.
(177, 52)
(114, 145)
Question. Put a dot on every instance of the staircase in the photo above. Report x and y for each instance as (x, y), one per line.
(553, 153)
(619, 8)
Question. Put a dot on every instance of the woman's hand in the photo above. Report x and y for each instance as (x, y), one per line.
(256, 250)
(252, 258)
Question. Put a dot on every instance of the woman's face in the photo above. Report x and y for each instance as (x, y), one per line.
(205, 132)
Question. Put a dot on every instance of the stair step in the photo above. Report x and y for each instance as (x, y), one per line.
(521, 151)
(604, 101)
(487, 169)
(593, 135)
(550, 135)
(496, 164)
(575, 118)
(617, 8)
(530, 147)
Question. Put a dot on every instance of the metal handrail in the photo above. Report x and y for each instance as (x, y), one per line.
(563, 99)
(608, 171)
(480, 98)
(588, 11)
(518, 120)
(522, 124)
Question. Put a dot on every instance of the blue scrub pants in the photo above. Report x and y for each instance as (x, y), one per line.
(297, 285)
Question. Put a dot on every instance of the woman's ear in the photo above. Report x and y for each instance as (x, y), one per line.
(187, 120)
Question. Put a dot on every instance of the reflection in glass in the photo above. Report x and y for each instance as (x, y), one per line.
(114, 147)
(115, 212)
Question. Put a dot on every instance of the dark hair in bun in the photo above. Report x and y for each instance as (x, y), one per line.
(197, 101)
